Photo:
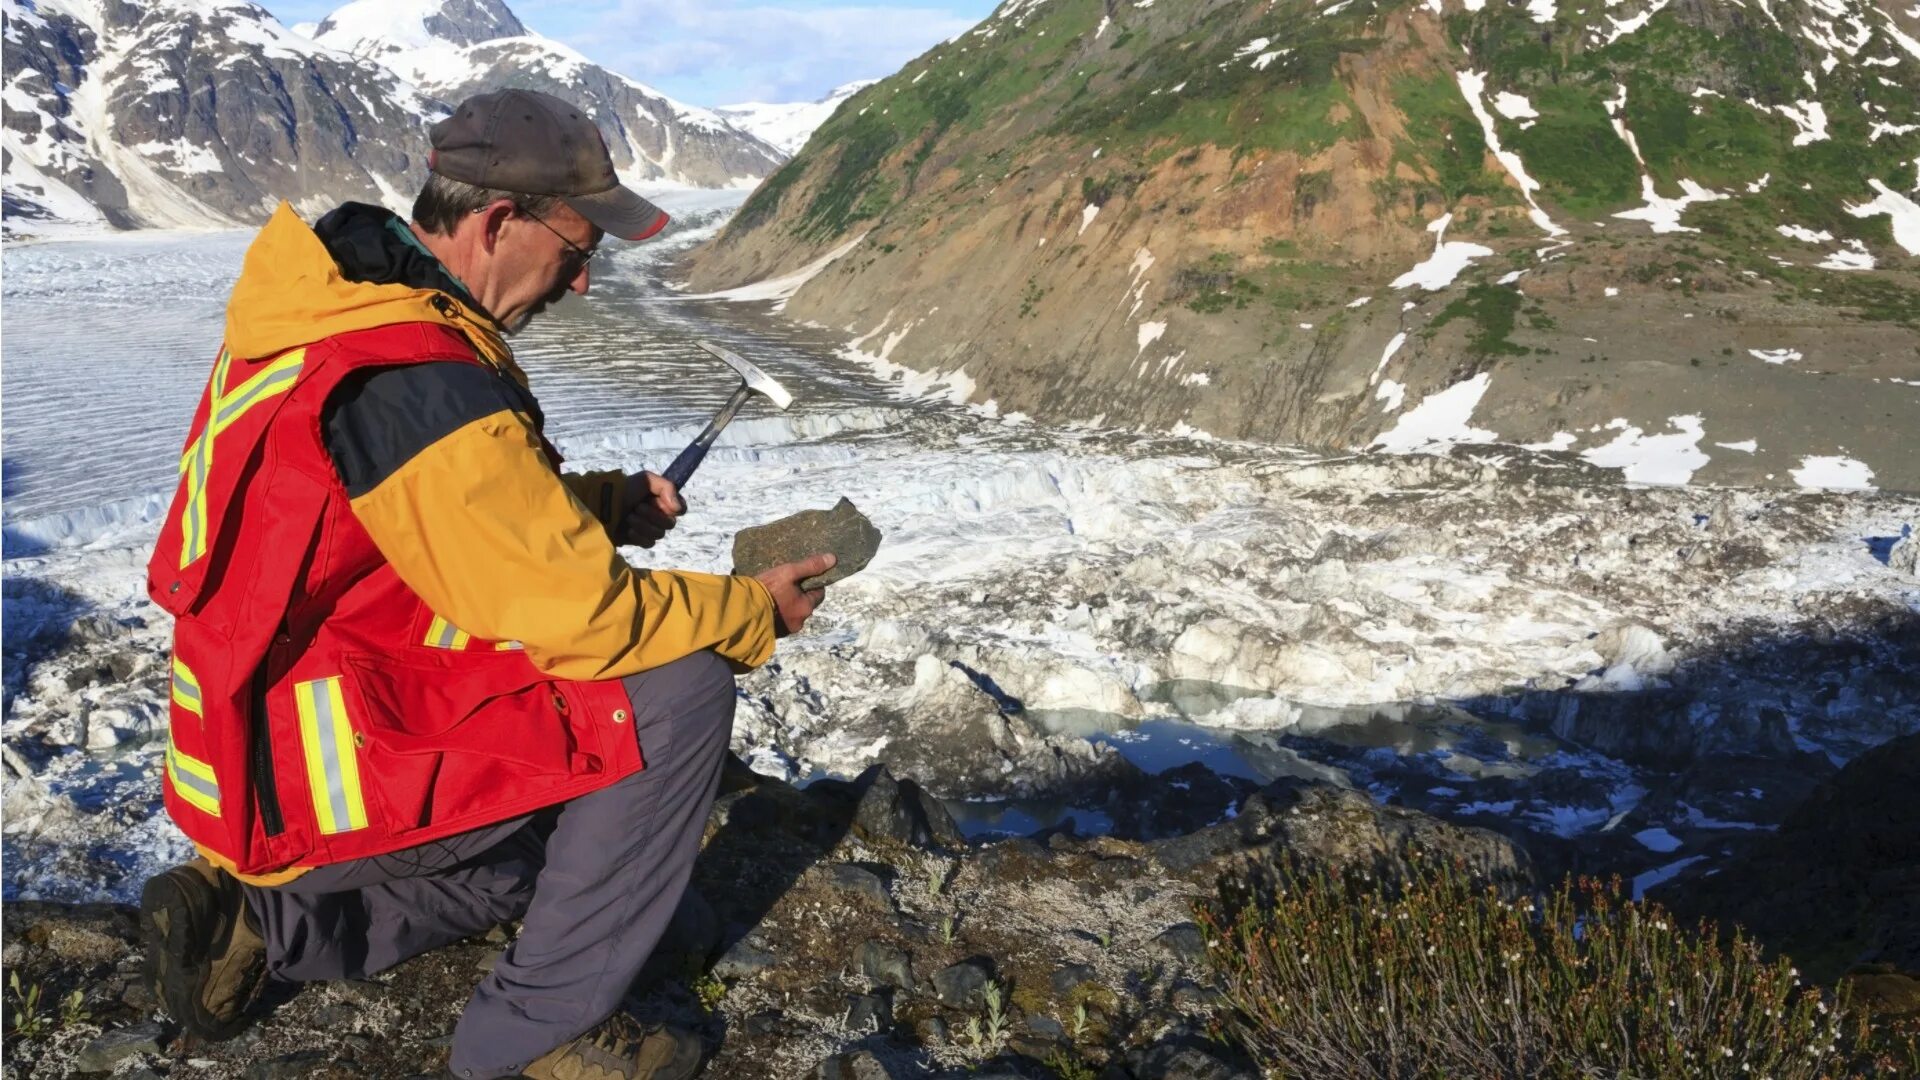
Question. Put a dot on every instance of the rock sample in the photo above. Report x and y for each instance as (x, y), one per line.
(843, 530)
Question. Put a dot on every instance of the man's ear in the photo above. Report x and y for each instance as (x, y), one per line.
(492, 217)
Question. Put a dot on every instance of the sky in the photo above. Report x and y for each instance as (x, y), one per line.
(719, 52)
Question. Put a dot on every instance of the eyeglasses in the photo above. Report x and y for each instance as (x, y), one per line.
(580, 256)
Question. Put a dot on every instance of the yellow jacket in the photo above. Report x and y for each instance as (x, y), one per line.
(445, 467)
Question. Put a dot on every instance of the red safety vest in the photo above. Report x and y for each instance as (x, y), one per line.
(321, 712)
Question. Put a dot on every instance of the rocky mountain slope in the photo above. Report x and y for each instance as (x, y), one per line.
(454, 48)
(1677, 238)
(209, 112)
(191, 112)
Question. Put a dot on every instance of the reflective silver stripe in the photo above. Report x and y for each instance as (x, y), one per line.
(449, 633)
(323, 721)
(185, 688)
(230, 409)
(185, 777)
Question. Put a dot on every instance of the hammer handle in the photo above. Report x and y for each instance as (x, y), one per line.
(682, 468)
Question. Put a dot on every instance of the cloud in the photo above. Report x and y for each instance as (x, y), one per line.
(725, 51)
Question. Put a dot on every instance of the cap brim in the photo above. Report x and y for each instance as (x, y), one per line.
(620, 213)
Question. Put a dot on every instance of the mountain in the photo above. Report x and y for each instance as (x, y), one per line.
(454, 48)
(788, 126)
(1677, 237)
(191, 112)
(209, 112)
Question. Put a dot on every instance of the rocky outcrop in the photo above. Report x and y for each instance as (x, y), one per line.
(843, 930)
(1837, 887)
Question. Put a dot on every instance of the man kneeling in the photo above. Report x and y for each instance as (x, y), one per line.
(416, 691)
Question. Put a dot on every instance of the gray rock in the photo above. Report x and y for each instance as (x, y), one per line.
(861, 884)
(1905, 555)
(1046, 1027)
(963, 985)
(843, 530)
(1183, 943)
(1170, 1061)
(1070, 977)
(296, 1066)
(115, 1046)
(1337, 827)
(901, 811)
(1189, 996)
(934, 1031)
(870, 1012)
(762, 1024)
(859, 1065)
(745, 958)
(885, 964)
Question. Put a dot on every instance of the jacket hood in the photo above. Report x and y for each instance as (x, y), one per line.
(293, 292)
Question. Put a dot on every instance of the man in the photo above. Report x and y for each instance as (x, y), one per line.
(416, 691)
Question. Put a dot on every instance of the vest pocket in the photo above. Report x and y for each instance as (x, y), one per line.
(447, 742)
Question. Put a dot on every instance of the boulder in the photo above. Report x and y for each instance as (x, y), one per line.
(963, 986)
(900, 811)
(1319, 823)
(885, 965)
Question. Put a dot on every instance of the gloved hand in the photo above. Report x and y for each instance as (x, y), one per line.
(653, 507)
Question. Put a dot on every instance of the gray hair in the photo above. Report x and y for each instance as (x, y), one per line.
(442, 203)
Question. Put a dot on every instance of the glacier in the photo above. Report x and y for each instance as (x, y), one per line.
(1488, 633)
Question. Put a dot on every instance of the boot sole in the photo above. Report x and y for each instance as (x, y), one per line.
(177, 966)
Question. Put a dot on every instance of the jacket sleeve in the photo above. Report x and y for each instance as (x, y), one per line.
(452, 485)
(604, 494)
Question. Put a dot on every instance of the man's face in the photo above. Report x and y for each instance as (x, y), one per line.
(541, 259)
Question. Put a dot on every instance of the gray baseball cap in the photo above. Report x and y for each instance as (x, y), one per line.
(536, 144)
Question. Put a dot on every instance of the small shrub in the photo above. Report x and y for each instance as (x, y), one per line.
(709, 992)
(1343, 976)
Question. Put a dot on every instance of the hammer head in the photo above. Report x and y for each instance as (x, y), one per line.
(756, 380)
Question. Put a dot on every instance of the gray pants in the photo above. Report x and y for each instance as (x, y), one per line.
(596, 879)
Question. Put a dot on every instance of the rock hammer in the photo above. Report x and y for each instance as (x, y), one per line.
(752, 381)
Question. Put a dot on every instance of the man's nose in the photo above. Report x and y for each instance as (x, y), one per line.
(579, 282)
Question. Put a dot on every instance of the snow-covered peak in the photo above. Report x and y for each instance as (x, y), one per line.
(789, 125)
(421, 23)
(414, 38)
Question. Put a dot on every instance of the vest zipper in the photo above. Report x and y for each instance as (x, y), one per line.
(266, 792)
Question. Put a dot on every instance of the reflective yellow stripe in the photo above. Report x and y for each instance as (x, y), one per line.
(224, 407)
(186, 688)
(333, 763)
(444, 635)
(275, 378)
(507, 646)
(192, 779)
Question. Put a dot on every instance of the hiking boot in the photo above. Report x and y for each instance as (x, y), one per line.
(205, 961)
(622, 1048)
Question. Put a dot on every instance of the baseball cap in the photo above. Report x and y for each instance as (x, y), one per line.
(536, 144)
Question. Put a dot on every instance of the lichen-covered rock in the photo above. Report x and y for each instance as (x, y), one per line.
(1324, 824)
(842, 531)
